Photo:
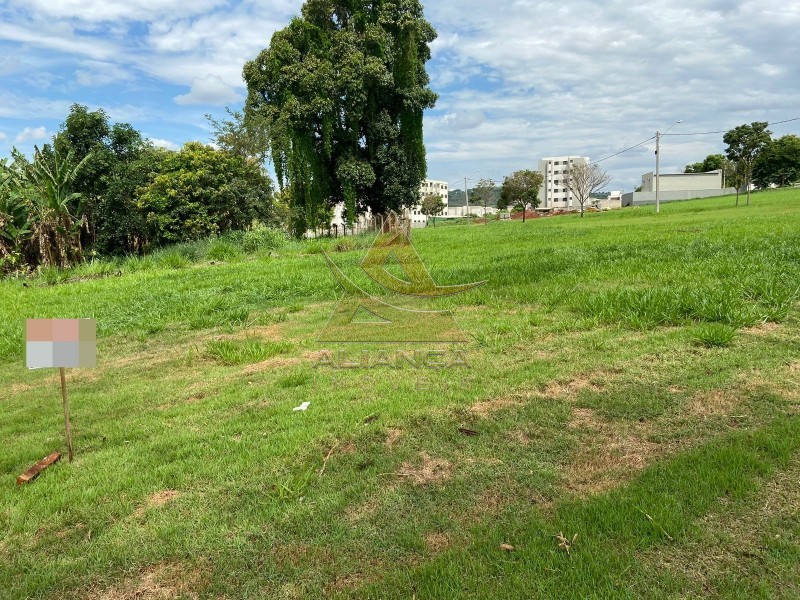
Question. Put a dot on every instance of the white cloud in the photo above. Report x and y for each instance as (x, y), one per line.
(158, 143)
(2, 136)
(518, 79)
(96, 73)
(31, 134)
(209, 90)
(103, 10)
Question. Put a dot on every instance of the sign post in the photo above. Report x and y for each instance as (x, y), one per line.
(61, 343)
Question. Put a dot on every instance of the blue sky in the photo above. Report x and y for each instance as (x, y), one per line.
(518, 79)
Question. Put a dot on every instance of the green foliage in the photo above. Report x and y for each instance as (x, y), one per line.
(715, 335)
(201, 191)
(56, 230)
(342, 91)
(779, 163)
(745, 144)
(223, 250)
(521, 189)
(483, 194)
(250, 350)
(121, 225)
(261, 238)
(433, 205)
(712, 162)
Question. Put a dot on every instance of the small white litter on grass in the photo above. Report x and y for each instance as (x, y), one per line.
(303, 407)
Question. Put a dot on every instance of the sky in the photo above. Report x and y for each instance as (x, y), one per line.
(518, 79)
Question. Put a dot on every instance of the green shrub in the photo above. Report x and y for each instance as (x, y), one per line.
(262, 238)
(223, 250)
(715, 335)
(251, 350)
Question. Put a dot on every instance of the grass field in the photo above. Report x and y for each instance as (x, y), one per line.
(634, 381)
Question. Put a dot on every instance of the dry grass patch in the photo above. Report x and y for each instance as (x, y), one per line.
(428, 470)
(346, 581)
(609, 453)
(519, 437)
(393, 437)
(486, 407)
(712, 404)
(159, 582)
(157, 500)
(363, 511)
(763, 329)
(735, 541)
(437, 542)
(568, 390)
(269, 364)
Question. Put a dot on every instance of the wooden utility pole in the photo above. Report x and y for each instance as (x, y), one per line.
(66, 414)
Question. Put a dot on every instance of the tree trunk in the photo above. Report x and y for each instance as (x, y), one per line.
(737, 196)
(748, 191)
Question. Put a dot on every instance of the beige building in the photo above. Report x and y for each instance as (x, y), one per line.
(554, 193)
(683, 182)
(429, 186)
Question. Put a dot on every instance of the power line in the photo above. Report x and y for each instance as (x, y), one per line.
(726, 131)
(642, 143)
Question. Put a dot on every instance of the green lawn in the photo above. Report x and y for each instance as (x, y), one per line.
(634, 380)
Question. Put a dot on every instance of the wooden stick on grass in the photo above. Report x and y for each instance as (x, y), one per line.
(66, 414)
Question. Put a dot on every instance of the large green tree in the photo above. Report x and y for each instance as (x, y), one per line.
(342, 92)
(521, 189)
(104, 149)
(779, 163)
(745, 143)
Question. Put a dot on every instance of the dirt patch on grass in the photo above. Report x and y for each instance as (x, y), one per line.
(346, 581)
(763, 328)
(712, 404)
(162, 498)
(519, 437)
(428, 470)
(437, 542)
(609, 453)
(487, 407)
(571, 388)
(160, 582)
(392, 437)
(269, 364)
(314, 356)
(157, 500)
(363, 511)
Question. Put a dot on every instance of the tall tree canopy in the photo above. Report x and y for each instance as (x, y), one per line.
(342, 91)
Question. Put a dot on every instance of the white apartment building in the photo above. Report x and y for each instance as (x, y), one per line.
(429, 186)
(554, 193)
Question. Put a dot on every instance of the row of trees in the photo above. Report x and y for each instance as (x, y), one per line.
(752, 156)
(103, 188)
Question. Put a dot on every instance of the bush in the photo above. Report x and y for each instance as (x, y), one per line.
(223, 250)
(262, 238)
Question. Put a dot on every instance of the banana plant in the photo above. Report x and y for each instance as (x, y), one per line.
(15, 224)
(57, 231)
